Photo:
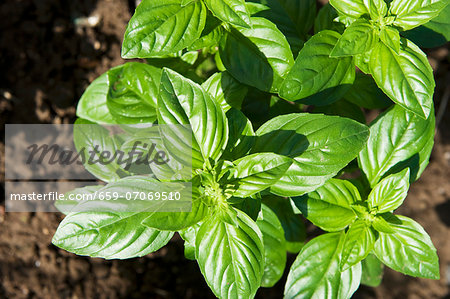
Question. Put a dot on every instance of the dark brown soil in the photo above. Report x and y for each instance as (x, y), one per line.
(47, 60)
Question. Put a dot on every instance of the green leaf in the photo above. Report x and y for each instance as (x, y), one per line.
(320, 146)
(133, 93)
(362, 62)
(293, 18)
(274, 247)
(231, 258)
(230, 11)
(188, 235)
(329, 207)
(92, 105)
(315, 272)
(358, 38)
(211, 34)
(258, 172)
(380, 224)
(390, 193)
(325, 20)
(108, 235)
(408, 250)
(359, 241)
(351, 8)
(316, 75)
(343, 108)
(250, 206)
(259, 57)
(365, 93)
(407, 78)
(391, 38)
(398, 139)
(163, 27)
(372, 271)
(435, 33)
(66, 206)
(241, 135)
(293, 225)
(182, 101)
(377, 8)
(93, 142)
(225, 90)
(414, 13)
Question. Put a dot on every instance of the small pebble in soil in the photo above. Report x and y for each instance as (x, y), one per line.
(37, 264)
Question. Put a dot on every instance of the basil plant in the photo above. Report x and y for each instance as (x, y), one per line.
(272, 92)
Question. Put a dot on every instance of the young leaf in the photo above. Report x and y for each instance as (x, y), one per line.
(351, 8)
(365, 93)
(325, 20)
(390, 193)
(293, 225)
(133, 93)
(408, 250)
(329, 207)
(259, 57)
(163, 27)
(188, 235)
(241, 135)
(225, 90)
(92, 105)
(181, 101)
(316, 75)
(377, 8)
(381, 224)
(372, 271)
(358, 38)
(406, 140)
(274, 247)
(108, 235)
(320, 146)
(391, 38)
(358, 243)
(315, 273)
(407, 78)
(231, 258)
(233, 12)
(258, 172)
(211, 34)
(414, 13)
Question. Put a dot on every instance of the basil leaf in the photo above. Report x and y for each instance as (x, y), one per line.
(92, 105)
(377, 8)
(163, 27)
(310, 139)
(325, 20)
(358, 38)
(250, 206)
(390, 193)
(66, 206)
(365, 93)
(315, 272)
(211, 34)
(391, 38)
(344, 109)
(133, 93)
(225, 90)
(293, 225)
(293, 18)
(108, 235)
(380, 224)
(181, 101)
(359, 241)
(315, 75)
(406, 140)
(407, 78)
(258, 172)
(408, 250)
(230, 11)
(372, 271)
(241, 135)
(274, 247)
(231, 258)
(188, 235)
(415, 12)
(362, 61)
(329, 207)
(351, 8)
(259, 57)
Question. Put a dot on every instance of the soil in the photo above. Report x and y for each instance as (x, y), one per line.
(50, 52)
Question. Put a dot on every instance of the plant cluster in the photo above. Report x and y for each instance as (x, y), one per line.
(241, 75)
